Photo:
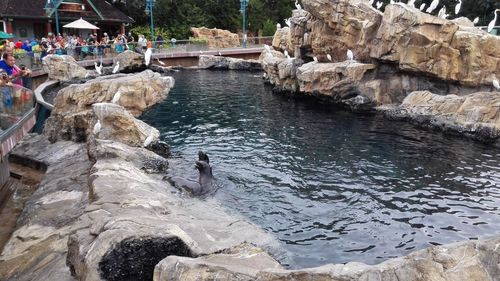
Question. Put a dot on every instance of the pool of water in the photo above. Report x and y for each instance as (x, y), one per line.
(331, 185)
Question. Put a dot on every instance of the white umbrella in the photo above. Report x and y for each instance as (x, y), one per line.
(80, 24)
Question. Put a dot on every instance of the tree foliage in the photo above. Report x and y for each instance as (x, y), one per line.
(177, 16)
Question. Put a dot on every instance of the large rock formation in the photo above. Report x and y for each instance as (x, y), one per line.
(396, 53)
(63, 68)
(73, 118)
(216, 38)
(220, 62)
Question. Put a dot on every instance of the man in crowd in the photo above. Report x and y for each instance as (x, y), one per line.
(15, 73)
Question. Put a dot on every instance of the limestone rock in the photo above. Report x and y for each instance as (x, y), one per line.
(339, 25)
(220, 62)
(130, 61)
(72, 118)
(476, 115)
(424, 44)
(63, 68)
(280, 71)
(239, 263)
(216, 38)
(282, 40)
(119, 125)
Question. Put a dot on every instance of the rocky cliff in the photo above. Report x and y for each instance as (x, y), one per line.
(395, 53)
(216, 38)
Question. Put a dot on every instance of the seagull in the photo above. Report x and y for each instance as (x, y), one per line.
(457, 7)
(329, 57)
(496, 84)
(147, 56)
(278, 26)
(411, 3)
(392, 2)
(288, 22)
(116, 97)
(116, 68)
(315, 59)
(475, 21)
(297, 5)
(422, 7)
(442, 13)
(492, 23)
(350, 55)
(97, 68)
(97, 127)
(371, 2)
(379, 5)
(433, 6)
(148, 140)
(286, 54)
(159, 61)
(219, 53)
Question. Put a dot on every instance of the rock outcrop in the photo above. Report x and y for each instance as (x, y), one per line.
(63, 68)
(476, 115)
(397, 52)
(73, 118)
(220, 62)
(130, 61)
(471, 260)
(216, 38)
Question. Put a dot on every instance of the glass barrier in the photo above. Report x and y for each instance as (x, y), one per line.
(16, 102)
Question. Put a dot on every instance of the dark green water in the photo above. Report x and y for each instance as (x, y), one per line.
(333, 186)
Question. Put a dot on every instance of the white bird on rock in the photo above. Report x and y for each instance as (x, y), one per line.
(350, 55)
(160, 62)
(457, 7)
(492, 23)
(422, 7)
(475, 21)
(116, 68)
(116, 97)
(287, 55)
(147, 56)
(98, 69)
(148, 140)
(288, 22)
(278, 26)
(379, 5)
(442, 13)
(315, 59)
(433, 6)
(97, 127)
(297, 5)
(329, 57)
(371, 2)
(411, 3)
(496, 84)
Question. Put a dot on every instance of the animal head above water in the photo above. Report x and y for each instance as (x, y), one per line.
(202, 156)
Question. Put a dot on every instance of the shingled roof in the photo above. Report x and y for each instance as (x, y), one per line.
(34, 9)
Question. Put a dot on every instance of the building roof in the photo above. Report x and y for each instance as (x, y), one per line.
(34, 9)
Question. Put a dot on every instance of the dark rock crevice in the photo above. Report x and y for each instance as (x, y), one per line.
(135, 259)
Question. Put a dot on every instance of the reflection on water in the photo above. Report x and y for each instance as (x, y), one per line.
(331, 185)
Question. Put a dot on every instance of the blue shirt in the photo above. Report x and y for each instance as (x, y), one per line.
(9, 69)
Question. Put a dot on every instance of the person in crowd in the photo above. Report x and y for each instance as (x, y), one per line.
(142, 43)
(15, 73)
(159, 42)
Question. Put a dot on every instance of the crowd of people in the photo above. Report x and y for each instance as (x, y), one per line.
(90, 47)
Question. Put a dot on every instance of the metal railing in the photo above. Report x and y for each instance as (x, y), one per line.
(33, 59)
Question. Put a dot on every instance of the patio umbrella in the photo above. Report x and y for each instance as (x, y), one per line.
(5, 35)
(80, 24)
